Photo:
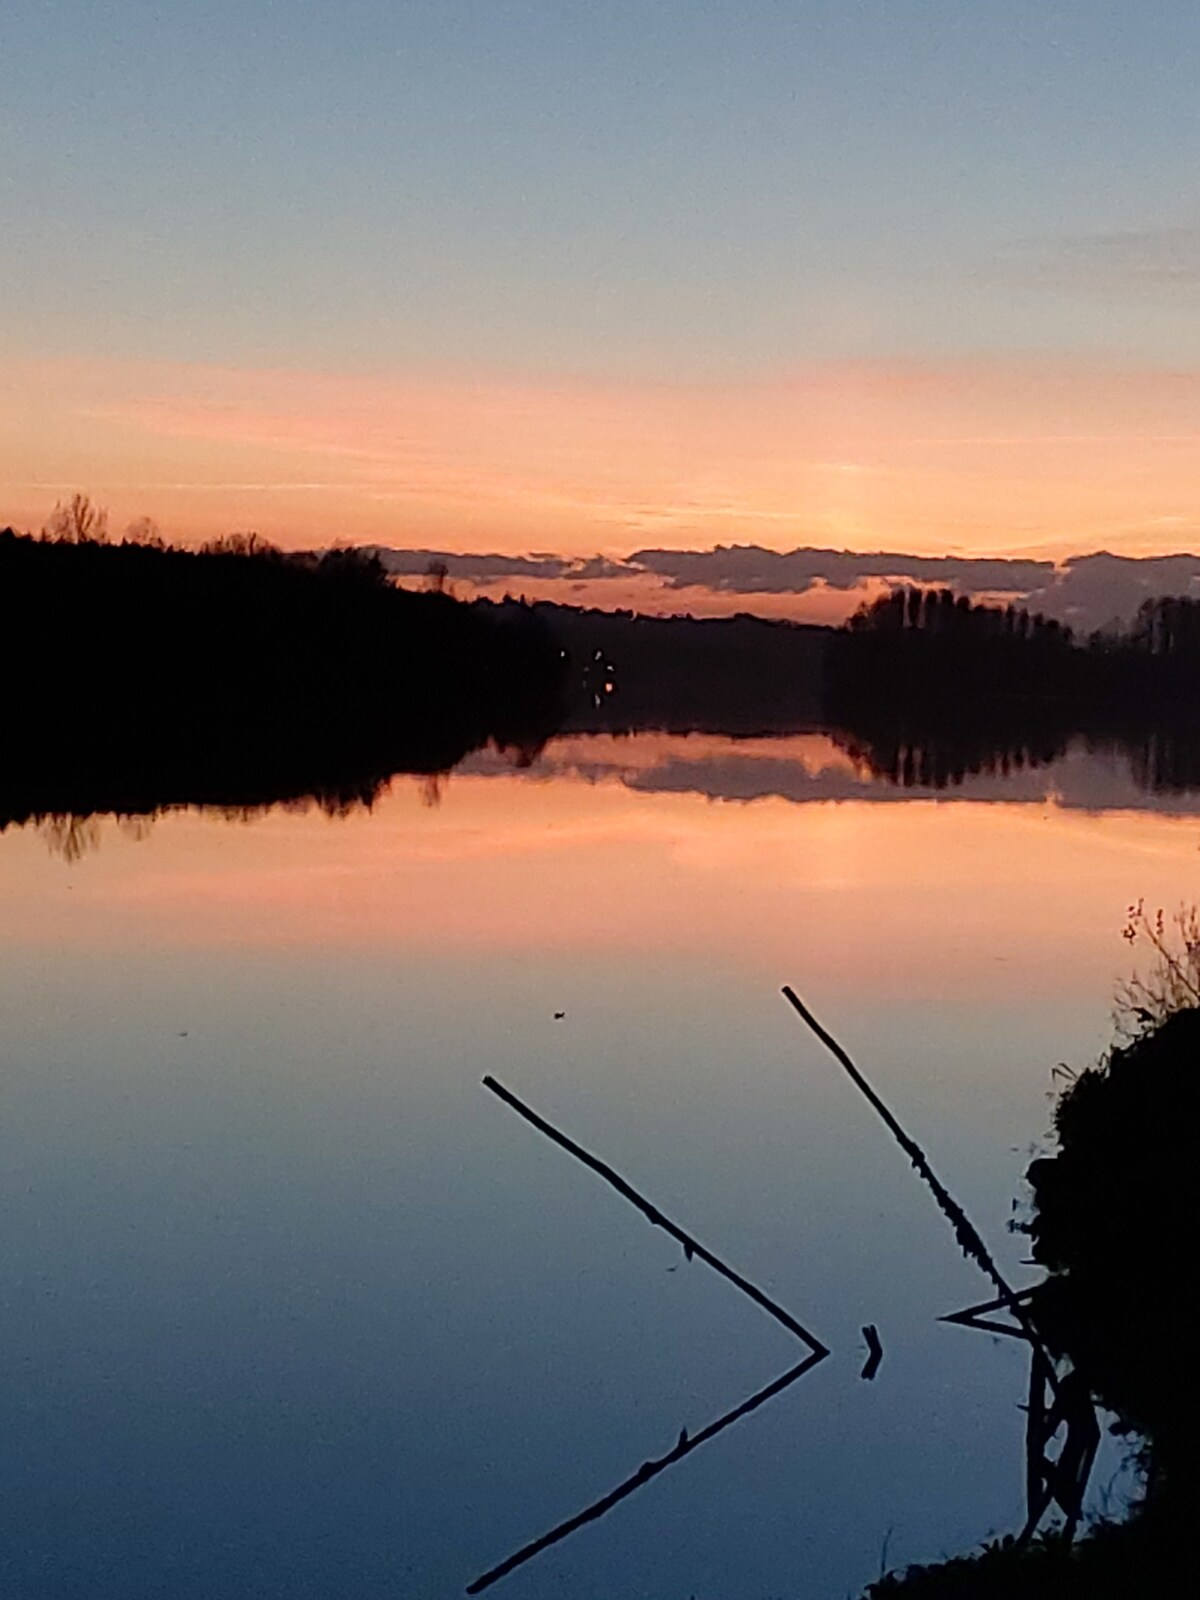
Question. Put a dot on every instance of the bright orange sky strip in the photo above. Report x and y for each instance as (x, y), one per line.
(975, 457)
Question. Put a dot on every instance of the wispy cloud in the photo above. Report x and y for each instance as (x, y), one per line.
(1144, 263)
(974, 456)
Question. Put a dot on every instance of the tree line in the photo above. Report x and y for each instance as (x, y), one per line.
(928, 687)
(936, 640)
(1165, 626)
(134, 673)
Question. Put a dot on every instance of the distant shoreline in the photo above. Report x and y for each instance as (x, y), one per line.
(139, 677)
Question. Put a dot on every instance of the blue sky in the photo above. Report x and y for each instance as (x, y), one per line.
(871, 274)
(661, 189)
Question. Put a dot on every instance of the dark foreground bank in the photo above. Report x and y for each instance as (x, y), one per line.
(135, 676)
(1114, 1222)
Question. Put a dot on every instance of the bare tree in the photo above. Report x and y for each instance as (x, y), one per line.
(77, 521)
(240, 544)
(1172, 981)
(436, 574)
(144, 530)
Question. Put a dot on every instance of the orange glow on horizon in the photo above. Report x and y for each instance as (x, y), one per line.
(969, 457)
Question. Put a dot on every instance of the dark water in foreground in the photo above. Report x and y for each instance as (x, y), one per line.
(291, 1306)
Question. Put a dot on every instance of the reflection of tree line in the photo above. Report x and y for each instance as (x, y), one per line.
(1166, 760)
(1161, 760)
(75, 834)
(943, 758)
(928, 690)
(138, 676)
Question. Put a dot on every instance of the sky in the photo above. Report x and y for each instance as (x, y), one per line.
(583, 278)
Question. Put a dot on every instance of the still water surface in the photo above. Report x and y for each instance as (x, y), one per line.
(292, 1307)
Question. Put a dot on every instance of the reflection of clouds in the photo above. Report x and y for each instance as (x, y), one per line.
(812, 768)
(803, 769)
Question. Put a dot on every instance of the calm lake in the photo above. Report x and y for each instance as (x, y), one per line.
(292, 1306)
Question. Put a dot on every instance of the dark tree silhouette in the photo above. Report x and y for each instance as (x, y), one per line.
(135, 674)
(928, 688)
(1114, 1220)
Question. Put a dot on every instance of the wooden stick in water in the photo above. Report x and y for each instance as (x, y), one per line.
(648, 1470)
(970, 1243)
(1072, 1404)
(691, 1247)
(874, 1352)
(978, 1317)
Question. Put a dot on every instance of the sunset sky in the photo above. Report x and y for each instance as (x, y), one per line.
(581, 278)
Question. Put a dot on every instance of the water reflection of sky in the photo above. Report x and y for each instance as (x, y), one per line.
(292, 1306)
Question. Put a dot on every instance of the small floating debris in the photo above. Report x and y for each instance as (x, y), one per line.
(874, 1352)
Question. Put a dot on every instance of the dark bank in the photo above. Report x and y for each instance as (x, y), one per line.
(139, 676)
(1114, 1213)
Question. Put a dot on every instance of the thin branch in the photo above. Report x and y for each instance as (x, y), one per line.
(647, 1471)
(978, 1317)
(969, 1240)
(691, 1246)
(1045, 1479)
